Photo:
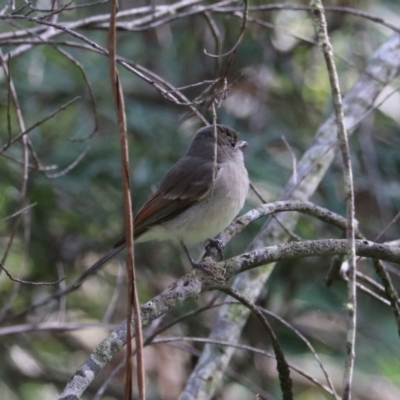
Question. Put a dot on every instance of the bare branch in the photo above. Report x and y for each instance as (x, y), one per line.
(36, 124)
(324, 42)
(133, 298)
(308, 344)
(282, 365)
(22, 211)
(51, 326)
(197, 281)
(29, 282)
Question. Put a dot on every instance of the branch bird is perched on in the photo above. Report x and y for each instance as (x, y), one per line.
(198, 197)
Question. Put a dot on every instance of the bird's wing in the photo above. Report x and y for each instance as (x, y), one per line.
(186, 183)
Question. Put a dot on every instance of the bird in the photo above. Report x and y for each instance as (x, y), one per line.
(197, 199)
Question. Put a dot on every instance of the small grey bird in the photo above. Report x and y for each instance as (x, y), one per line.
(188, 207)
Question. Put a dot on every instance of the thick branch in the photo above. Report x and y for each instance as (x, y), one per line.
(192, 284)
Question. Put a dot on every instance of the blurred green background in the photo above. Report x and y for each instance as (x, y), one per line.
(281, 90)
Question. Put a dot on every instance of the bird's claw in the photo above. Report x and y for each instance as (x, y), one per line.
(202, 266)
(218, 245)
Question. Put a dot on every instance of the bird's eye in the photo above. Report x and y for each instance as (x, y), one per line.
(233, 144)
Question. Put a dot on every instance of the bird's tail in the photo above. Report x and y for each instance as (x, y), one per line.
(108, 256)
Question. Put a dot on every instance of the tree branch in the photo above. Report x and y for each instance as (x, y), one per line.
(191, 285)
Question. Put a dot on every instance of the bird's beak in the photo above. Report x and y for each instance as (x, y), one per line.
(242, 144)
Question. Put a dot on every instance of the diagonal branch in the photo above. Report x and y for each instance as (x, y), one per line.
(282, 364)
(191, 285)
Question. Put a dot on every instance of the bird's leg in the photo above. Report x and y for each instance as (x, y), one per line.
(194, 264)
(218, 245)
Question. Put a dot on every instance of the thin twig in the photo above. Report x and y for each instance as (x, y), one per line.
(218, 41)
(390, 290)
(133, 299)
(36, 124)
(29, 282)
(278, 221)
(63, 300)
(117, 290)
(9, 97)
(69, 167)
(25, 176)
(252, 349)
(393, 221)
(22, 211)
(293, 155)
(291, 7)
(282, 365)
(92, 98)
(308, 344)
(58, 10)
(324, 42)
(52, 326)
(233, 50)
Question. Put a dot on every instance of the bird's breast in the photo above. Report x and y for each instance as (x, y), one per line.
(210, 216)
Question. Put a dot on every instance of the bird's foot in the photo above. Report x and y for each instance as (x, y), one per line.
(202, 266)
(198, 265)
(217, 245)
